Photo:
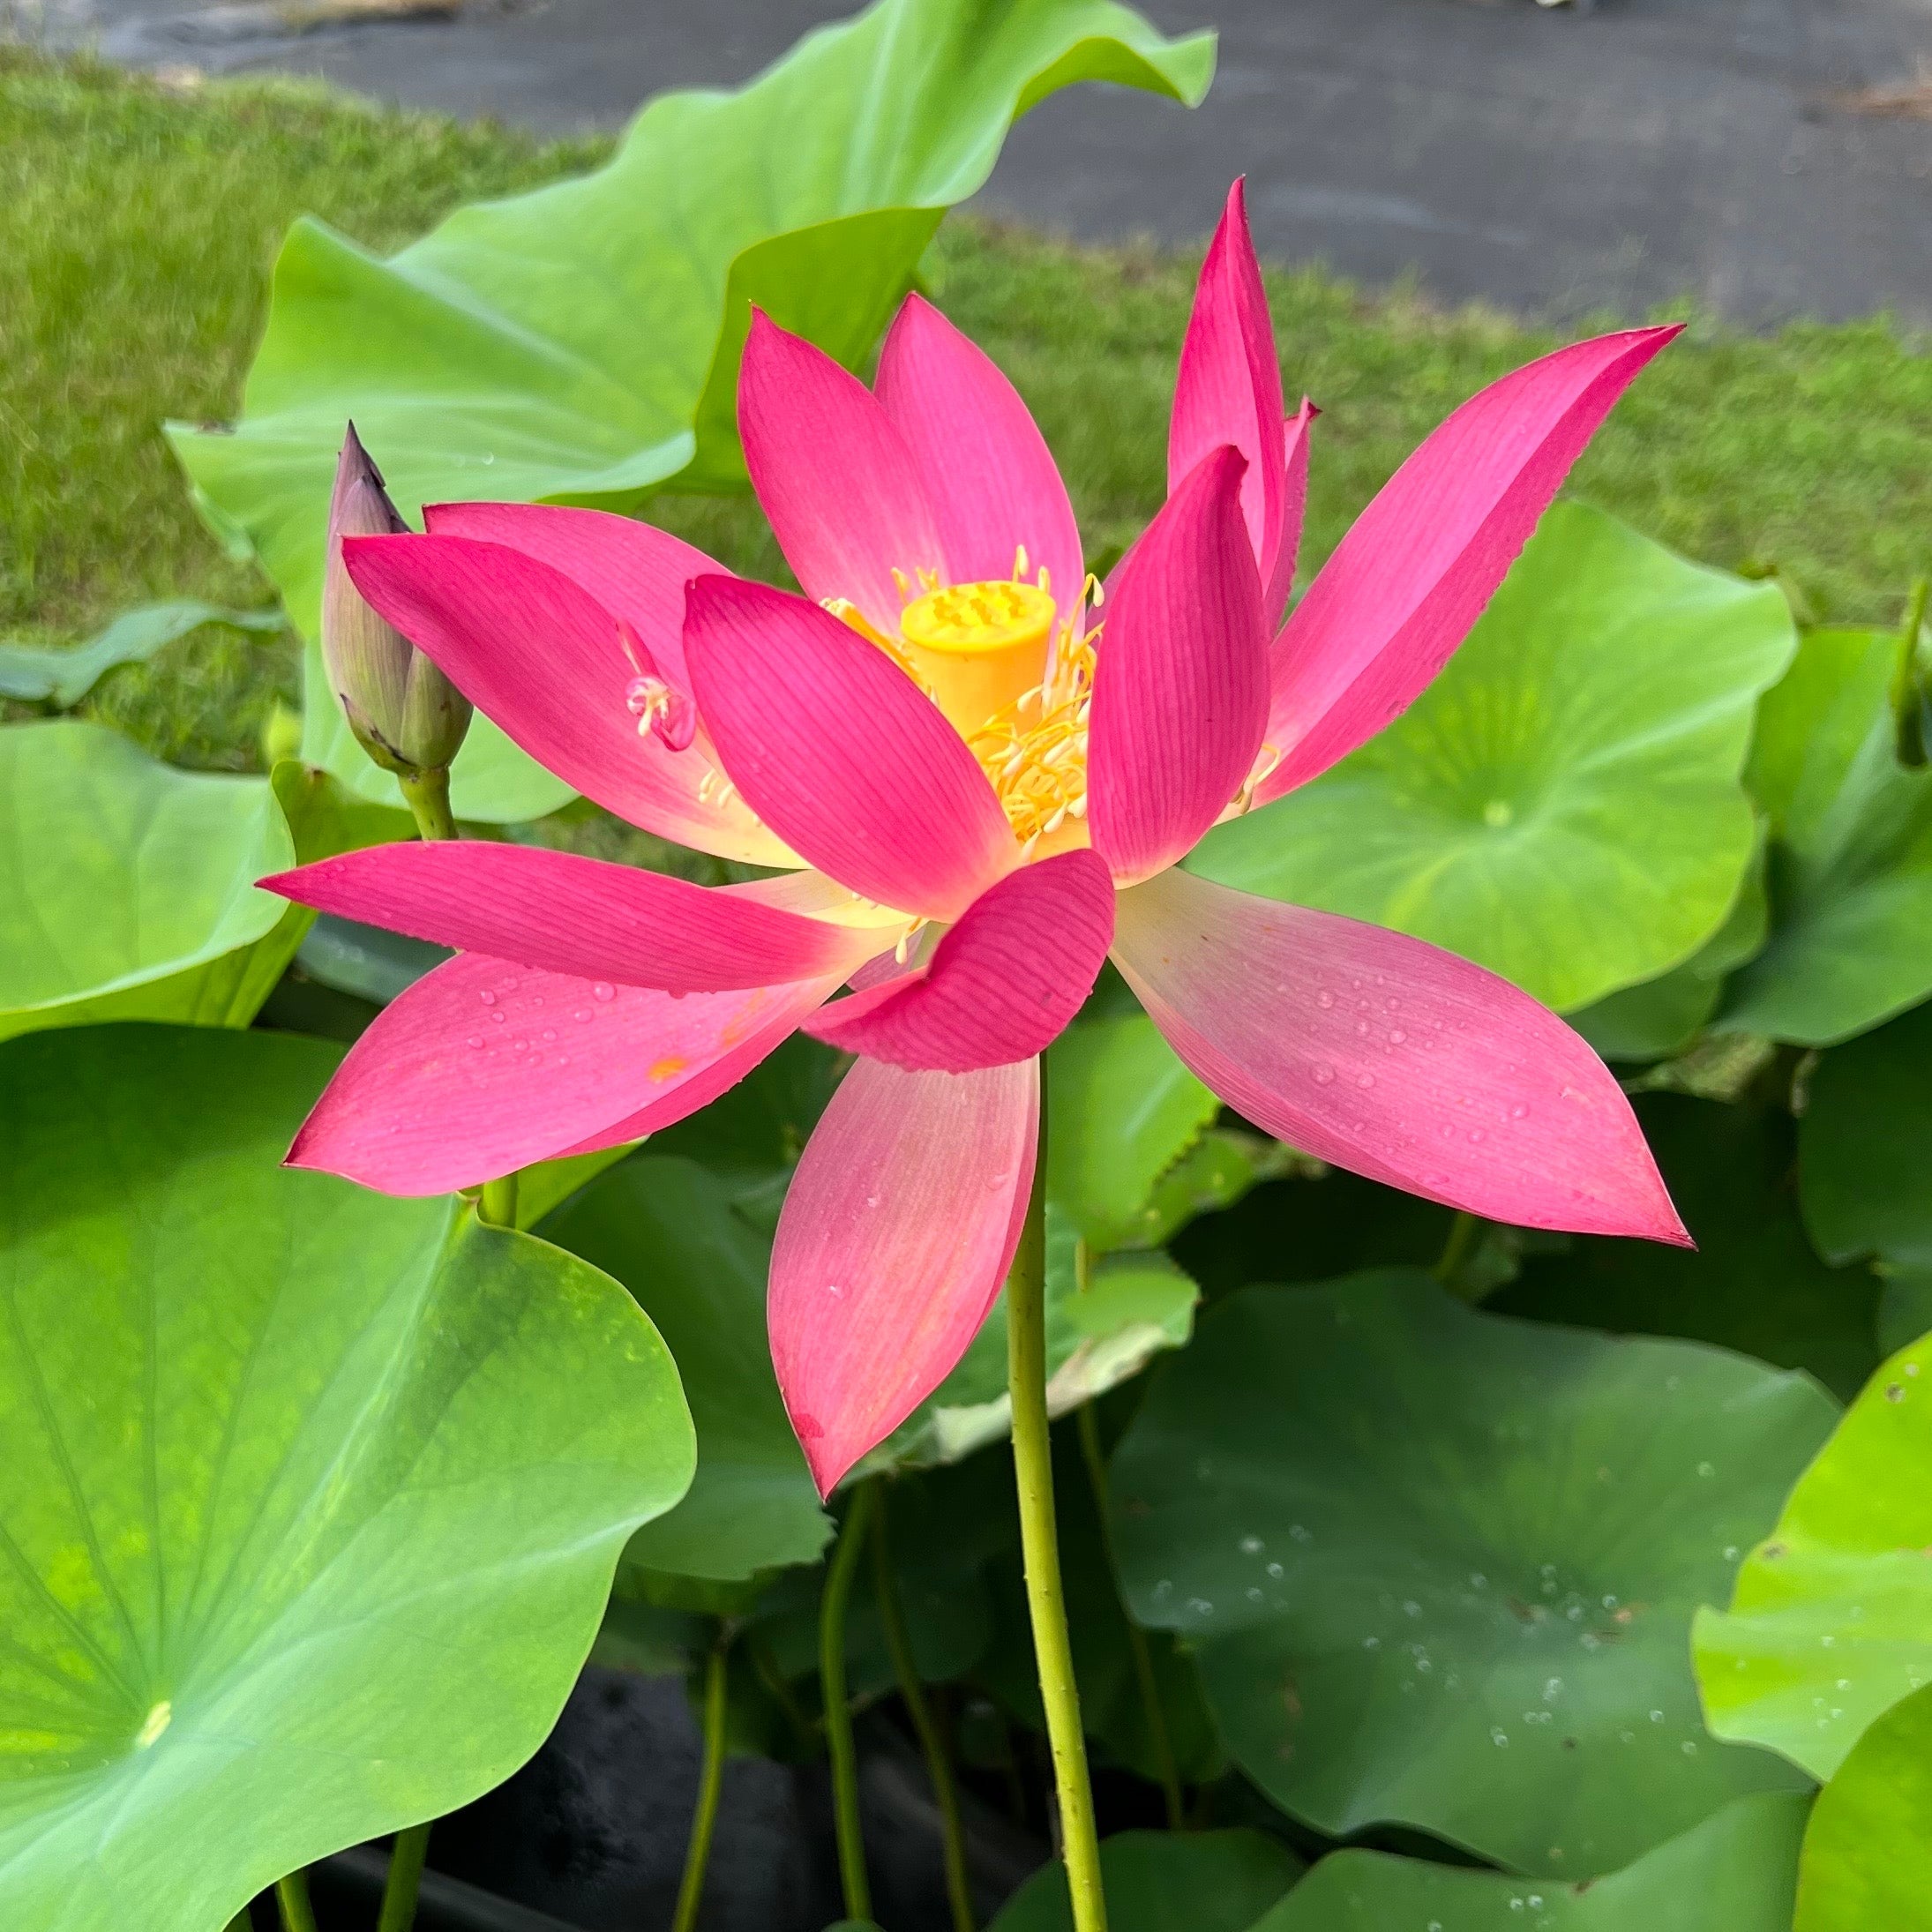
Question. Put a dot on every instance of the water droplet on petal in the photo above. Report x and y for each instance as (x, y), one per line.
(604, 990)
(488, 998)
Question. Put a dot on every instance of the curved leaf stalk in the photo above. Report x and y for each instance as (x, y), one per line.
(939, 1765)
(1033, 1468)
(710, 1783)
(407, 1857)
(498, 1204)
(838, 1710)
(1151, 1706)
(292, 1895)
(427, 793)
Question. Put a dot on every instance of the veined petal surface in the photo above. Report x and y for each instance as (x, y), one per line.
(1411, 576)
(837, 481)
(483, 1067)
(1181, 693)
(991, 480)
(840, 753)
(1002, 985)
(1390, 1057)
(898, 1231)
(533, 650)
(567, 914)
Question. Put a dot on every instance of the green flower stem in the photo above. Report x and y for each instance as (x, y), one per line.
(292, 1895)
(428, 795)
(1033, 1466)
(838, 1710)
(711, 1783)
(1907, 683)
(1153, 1708)
(939, 1765)
(406, 1861)
(1455, 1251)
(498, 1204)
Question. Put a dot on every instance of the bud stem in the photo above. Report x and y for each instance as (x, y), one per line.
(427, 794)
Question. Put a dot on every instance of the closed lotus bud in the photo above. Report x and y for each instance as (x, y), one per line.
(404, 712)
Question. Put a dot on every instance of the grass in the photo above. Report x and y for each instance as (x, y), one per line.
(138, 223)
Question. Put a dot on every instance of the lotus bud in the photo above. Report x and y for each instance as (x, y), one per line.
(404, 712)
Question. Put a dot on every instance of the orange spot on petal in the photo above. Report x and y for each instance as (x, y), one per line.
(672, 1063)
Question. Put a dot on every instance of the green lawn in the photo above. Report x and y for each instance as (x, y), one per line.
(137, 224)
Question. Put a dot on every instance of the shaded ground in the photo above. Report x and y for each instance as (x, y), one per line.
(1550, 161)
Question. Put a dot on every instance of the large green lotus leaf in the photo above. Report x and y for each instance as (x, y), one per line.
(1564, 803)
(1106, 1319)
(1831, 1619)
(580, 343)
(1663, 1015)
(127, 888)
(308, 1498)
(1438, 1567)
(1851, 856)
(1123, 1111)
(667, 1229)
(1868, 1854)
(1863, 1176)
(1736, 1872)
(1753, 1282)
(1164, 1881)
(62, 676)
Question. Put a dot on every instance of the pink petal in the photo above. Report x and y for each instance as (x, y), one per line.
(566, 914)
(840, 753)
(1228, 389)
(1180, 694)
(635, 571)
(899, 1229)
(1413, 574)
(992, 480)
(841, 490)
(533, 650)
(1002, 985)
(1390, 1057)
(483, 1066)
(1294, 509)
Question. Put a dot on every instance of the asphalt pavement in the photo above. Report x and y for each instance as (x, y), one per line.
(1770, 158)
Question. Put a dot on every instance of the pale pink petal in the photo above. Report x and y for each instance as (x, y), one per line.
(1409, 580)
(635, 571)
(897, 1233)
(1228, 389)
(838, 484)
(1181, 693)
(840, 753)
(534, 651)
(567, 914)
(1002, 985)
(1390, 1057)
(1294, 509)
(483, 1066)
(988, 473)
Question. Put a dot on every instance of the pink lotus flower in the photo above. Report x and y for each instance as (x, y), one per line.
(979, 775)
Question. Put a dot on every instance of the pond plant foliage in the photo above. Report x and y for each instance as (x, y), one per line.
(1306, 1184)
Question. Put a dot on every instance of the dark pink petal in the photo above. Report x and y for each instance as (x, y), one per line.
(635, 571)
(840, 753)
(532, 650)
(899, 1229)
(1294, 508)
(1228, 389)
(992, 480)
(1390, 1057)
(839, 486)
(1409, 580)
(1180, 694)
(483, 1066)
(1002, 985)
(572, 915)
